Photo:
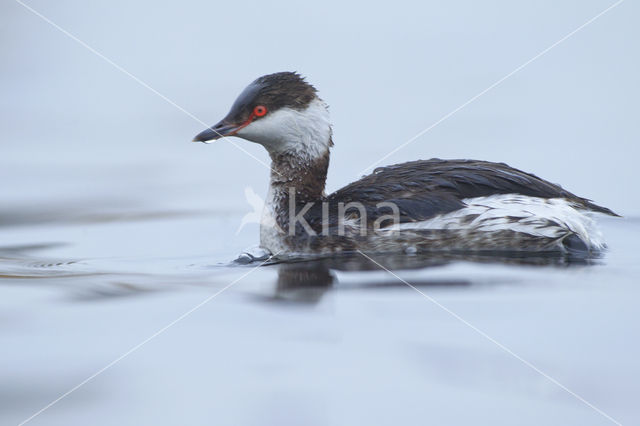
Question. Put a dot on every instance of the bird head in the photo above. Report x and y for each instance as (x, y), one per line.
(280, 111)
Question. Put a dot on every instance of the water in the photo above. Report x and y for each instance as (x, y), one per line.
(113, 225)
(326, 342)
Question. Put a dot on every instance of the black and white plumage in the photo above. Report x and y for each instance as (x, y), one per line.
(446, 205)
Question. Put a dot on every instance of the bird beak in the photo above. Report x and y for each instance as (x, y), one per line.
(220, 130)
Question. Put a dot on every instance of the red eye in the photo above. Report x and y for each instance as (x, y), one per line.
(260, 110)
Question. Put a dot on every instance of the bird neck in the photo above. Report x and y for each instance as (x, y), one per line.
(295, 181)
(306, 177)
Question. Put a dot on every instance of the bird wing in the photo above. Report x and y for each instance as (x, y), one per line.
(426, 188)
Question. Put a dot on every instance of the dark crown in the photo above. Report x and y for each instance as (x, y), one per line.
(284, 89)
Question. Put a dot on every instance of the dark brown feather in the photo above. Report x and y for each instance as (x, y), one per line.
(425, 188)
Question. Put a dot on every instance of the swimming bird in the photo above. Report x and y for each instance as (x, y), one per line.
(424, 205)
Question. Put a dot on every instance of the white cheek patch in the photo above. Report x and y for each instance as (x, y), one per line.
(306, 133)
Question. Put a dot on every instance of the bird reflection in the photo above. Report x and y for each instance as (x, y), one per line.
(300, 281)
(304, 281)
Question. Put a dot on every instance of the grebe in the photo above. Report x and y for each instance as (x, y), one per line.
(424, 205)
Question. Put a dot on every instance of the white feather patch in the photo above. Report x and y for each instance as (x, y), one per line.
(551, 218)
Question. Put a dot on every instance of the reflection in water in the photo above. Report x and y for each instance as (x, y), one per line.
(358, 262)
(305, 281)
(301, 281)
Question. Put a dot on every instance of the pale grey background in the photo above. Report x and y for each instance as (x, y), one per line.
(387, 72)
